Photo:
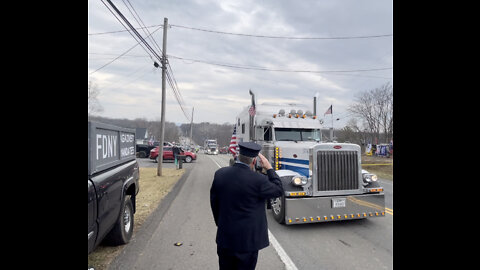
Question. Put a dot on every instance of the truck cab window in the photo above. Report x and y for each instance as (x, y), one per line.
(243, 128)
(297, 134)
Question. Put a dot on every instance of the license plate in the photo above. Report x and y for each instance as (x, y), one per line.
(337, 203)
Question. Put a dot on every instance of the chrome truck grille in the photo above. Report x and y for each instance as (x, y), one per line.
(337, 170)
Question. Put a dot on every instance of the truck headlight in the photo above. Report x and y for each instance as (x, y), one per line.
(369, 177)
(299, 180)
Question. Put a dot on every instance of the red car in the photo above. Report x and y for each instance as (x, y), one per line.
(168, 154)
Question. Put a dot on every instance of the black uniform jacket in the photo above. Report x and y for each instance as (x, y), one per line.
(237, 198)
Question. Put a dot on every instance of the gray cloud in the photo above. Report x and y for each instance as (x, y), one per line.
(131, 87)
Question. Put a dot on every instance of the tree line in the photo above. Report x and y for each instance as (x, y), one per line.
(372, 121)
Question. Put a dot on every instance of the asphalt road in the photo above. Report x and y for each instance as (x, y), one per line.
(350, 244)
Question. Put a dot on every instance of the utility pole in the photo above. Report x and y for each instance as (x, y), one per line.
(164, 69)
(191, 126)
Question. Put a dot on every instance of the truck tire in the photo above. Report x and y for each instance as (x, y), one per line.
(278, 209)
(142, 154)
(188, 159)
(123, 229)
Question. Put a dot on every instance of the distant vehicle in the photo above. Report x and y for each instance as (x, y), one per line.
(223, 150)
(113, 175)
(168, 154)
(211, 147)
(143, 150)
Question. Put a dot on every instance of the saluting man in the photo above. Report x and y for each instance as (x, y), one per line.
(237, 199)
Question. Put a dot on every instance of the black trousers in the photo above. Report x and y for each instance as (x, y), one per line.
(232, 260)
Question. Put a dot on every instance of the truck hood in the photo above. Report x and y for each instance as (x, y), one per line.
(294, 156)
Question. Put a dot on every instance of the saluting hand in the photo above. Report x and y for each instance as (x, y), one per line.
(264, 162)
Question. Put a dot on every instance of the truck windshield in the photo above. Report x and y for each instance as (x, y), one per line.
(297, 134)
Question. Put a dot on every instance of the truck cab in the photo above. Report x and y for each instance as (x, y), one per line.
(323, 181)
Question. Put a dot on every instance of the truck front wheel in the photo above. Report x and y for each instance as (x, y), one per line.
(123, 229)
(278, 209)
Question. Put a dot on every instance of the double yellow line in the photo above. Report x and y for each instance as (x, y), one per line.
(379, 164)
(368, 204)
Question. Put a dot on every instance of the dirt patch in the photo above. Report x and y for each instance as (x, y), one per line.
(382, 171)
(153, 189)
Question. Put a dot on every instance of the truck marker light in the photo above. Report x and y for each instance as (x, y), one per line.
(304, 219)
(297, 219)
(364, 214)
(318, 218)
(339, 217)
(314, 117)
(346, 216)
(311, 218)
(332, 217)
(289, 220)
(274, 116)
(371, 214)
(376, 214)
(383, 213)
(325, 217)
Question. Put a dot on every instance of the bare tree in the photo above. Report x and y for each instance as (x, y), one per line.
(375, 108)
(93, 103)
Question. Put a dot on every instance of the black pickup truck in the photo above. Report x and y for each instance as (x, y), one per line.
(113, 175)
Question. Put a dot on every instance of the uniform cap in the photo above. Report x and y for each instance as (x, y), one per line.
(249, 149)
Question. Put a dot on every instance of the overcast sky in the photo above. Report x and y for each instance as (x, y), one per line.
(130, 87)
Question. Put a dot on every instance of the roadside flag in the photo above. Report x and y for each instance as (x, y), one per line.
(329, 111)
(233, 148)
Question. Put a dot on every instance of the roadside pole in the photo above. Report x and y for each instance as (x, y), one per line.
(164, 68)
(191, 126)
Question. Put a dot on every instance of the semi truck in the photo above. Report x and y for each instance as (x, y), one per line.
(113, 175)
(323, 180)
(211, 147)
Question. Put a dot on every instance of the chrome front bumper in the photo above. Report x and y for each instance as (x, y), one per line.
(322, 209)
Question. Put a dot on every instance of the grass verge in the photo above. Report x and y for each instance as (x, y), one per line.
(382, 171)
(153, 189)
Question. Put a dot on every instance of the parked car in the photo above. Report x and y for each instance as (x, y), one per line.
(168, 154)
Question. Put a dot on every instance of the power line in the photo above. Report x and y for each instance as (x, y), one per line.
(121, 31)
(279, 37)
(113, 60)
(144, 28)
(169, 73)
(251, 35)
(133, 30)
(279, 70)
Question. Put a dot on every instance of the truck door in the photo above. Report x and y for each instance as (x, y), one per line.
(92, 216)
